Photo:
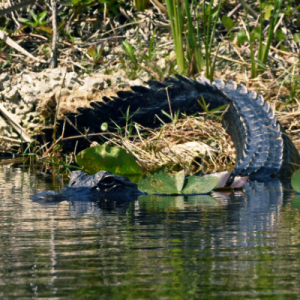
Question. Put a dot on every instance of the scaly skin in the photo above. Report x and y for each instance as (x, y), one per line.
(262, 147)
(101, 186)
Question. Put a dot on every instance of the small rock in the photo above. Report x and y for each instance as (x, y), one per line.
(71, 79)
(6, 85)
(4, 77)
(92, 83)
(136, 82)
(161, 63)
(12, 95)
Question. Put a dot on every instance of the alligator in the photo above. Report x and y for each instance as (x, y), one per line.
(263, 149)
(82, 186)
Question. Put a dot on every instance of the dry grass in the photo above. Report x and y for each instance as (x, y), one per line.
(194, 144)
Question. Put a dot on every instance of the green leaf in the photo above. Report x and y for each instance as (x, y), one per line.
(203, 104)
(129, 50)
(280, 36)
(205, 107)
(61, 25)
(282, 47)
(255, 34)
(69, 3)
(26, 21)
(150, 50)
(34, 16)
(166, 114)
(268, 12)
(297, 37)
(42, 16)
(242, 37)
(296, 181)
(104, 126)
(91, 51)
(218, 109)
(45, 29)
(227, 22)
(113, 159)
(162, 183)
(200, 185)
(261, 64)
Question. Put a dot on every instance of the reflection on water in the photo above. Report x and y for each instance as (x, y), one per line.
(242, 245)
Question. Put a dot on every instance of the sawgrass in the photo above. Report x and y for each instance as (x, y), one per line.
(176, 16)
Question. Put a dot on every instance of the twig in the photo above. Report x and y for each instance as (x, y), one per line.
(10, 42)
(84, 136)
(144, 167)
(15, 7)
(139, 134)
(10, 140)
(230, 59)
(160, 7)
(247, 7)
(151, 71)
(73, 63)
(30, 35)
(13, 15)
(105, 39)
(53, 61)
(129, 24)
(88, 135)
(170, 107)
(18, 128)
(52, 146)
(278, 23)
(58, 101)
(56, 142)
(77, 48)
(239, 6)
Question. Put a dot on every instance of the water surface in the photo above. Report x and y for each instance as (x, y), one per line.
(244, 245)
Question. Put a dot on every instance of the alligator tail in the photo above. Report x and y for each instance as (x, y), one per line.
(262, 147)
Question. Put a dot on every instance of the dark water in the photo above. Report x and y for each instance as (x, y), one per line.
(244, 245)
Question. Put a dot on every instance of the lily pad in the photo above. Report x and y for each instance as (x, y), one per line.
(295, 182)
(162, 183)
(113, 159)
(200, 185)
